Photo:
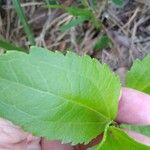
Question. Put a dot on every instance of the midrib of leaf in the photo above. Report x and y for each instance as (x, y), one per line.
(65, 70)
(31, 116)
(61, 68)
(50, 93)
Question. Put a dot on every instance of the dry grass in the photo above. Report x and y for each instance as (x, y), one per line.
(128, 27)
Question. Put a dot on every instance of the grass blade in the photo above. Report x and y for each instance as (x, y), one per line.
(23, 20)
(102, 42)
(9, 46)
(72, 23)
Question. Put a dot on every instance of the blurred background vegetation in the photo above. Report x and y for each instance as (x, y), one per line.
(114, 31)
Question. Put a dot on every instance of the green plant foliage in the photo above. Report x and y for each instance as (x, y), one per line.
(139, 76)
(102, 42)
(22, 17)
(86, 13)
(117, 139)
(72, 23)
(9, 46)
(93, 4)
(69, 98)
(80, 14)
(98, 146)
(118, 2)
(51, 2)
(75, 11)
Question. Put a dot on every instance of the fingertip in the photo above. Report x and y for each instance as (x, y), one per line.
(134, 107)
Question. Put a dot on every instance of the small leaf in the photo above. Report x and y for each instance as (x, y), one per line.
(86, 13)
(72, 23)
(139, 76)
(102, 42)
(117, 139)
(68, 98)
(75, 11)
(96, 22)
(9, 46)
(118, 2)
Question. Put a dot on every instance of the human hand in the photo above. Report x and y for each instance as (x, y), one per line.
(13, 138)
(134, 108)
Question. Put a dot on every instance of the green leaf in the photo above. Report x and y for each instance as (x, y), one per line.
(139, 76)
(9, 46)
(96, 147)
(118, 2)
(72, 23)
(75, 11)
(84, 13)
(117, 139)
(140, 129)
(102, 42)
(69, 98)
(51, 2)
(96, 22)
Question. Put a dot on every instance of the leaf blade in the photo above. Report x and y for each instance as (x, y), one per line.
(117, 139)
(65, 103)
(139, 75)
(102, 42)
(9, 46)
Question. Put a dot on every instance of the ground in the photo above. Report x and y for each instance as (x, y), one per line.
(127, 26)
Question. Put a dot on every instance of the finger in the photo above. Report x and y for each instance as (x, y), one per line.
(10, 133)
(134, 107)
(54, 145)
(13, 138)
(138, 137)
